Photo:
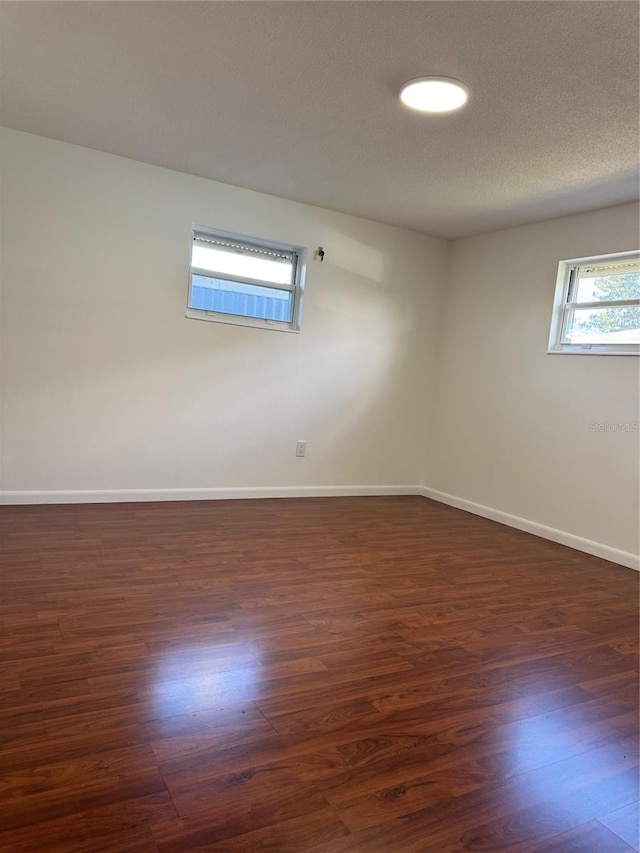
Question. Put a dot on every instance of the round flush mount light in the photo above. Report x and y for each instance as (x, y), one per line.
(434, 94)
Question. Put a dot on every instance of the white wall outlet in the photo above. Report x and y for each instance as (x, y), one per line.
(301, 448)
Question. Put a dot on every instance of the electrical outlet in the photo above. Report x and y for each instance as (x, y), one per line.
(301, 448)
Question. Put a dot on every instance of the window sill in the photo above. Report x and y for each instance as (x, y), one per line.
(233, 320)
(593, 350)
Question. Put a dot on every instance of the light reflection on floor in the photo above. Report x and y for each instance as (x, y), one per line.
(184, 682)
(556, 752)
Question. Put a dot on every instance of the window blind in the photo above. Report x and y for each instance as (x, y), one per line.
(240, 247)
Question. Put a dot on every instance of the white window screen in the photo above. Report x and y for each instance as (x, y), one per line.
(598, 306)
(238, 280)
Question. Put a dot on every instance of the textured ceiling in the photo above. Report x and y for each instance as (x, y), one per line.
(299, 99)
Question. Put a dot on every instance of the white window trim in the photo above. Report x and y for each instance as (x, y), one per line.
(255, 322)
(558, 319)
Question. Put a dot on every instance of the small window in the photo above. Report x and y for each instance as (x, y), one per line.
(597, 306)
(236, 279)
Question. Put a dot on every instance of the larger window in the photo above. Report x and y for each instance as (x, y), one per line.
(597, 306)
(236, 279)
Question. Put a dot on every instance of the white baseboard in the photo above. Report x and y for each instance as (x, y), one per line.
(597, 549)
(80, 496)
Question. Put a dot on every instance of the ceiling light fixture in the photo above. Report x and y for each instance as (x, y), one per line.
(434, 94)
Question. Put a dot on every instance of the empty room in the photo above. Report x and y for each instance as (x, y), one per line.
(319, 426)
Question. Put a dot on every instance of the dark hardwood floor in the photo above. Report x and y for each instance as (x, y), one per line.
(358, 675)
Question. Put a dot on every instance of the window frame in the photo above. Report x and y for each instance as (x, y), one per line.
(296, 287)
(562, 308)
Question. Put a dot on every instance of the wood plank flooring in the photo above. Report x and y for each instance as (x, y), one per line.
(358, 675)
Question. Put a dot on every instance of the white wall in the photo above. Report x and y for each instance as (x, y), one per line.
(106, 385)
(512, 425)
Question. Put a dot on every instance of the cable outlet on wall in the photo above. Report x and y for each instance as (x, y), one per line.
(301, 448)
